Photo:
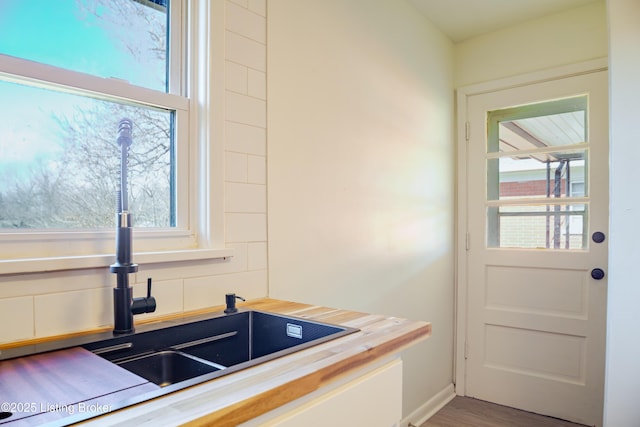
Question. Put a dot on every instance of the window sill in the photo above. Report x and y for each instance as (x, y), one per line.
(42, 265)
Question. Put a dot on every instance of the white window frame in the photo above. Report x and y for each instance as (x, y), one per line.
(199, 233)
(576, 224)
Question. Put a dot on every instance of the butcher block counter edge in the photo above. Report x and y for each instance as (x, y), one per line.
(247, 394)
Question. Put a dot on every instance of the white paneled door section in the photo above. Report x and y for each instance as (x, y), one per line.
(537, 192)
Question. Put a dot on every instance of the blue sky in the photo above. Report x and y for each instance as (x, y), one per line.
(55, 32)
(51, 31)
(48, 32)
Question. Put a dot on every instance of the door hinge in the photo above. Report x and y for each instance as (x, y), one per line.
(467, 131)
(466, 349)
(468, 241)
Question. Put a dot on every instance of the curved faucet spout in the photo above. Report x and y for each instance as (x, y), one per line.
(124, 305)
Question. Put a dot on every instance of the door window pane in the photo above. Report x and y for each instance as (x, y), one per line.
(552, 130)
(538, 226)
(535, 154)
(548, 175)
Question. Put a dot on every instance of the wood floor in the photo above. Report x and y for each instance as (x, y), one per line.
(468, 412)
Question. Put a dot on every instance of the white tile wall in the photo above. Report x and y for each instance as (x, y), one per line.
(72, 311)
(16, 318)
(246, 51)
(257, 169)
(257, 84)
(257, 256)
(47, 304)
(202, 292)
(245, 22)
(258, 6)
(247, 139)
(236, 77)
(243, 3)
(246, 227)
(246, 109)
(236, 167)
(245, 197)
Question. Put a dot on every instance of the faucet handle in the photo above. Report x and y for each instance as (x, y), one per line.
(144, 304)
(149, 287)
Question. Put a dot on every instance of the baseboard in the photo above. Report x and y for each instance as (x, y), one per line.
(429, 408)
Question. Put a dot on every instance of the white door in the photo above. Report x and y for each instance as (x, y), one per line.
(537, 224)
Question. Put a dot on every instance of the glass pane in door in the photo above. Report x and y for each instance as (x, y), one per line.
(537, 175)
(541, 175)
(539, 226)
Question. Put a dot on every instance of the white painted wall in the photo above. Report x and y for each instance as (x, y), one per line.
(565, 38)
(623, 339)
(44, 304)
(361, 168)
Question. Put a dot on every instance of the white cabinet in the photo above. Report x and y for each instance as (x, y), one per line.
(371, 397)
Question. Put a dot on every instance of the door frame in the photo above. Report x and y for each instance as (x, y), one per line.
(461, 278)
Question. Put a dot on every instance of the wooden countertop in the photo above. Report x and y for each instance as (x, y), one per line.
(235, 398)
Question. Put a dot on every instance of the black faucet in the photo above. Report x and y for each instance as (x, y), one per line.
(230, 299)
(124, 305)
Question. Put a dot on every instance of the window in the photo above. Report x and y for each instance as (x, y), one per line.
(537, 193)
(70, 70)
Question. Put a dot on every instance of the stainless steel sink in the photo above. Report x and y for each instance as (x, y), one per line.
(168, 367)
(175, 354)
(189, 353)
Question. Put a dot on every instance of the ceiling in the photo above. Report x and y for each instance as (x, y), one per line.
(463, 19)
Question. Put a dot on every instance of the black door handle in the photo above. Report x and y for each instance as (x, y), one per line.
(597, 273)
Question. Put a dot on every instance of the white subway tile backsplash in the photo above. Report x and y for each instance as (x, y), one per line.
(245, 109)
(246, 139)
(59, 281)
(246, 23)
(258, 6)
(249, 285)
(257, 84)
(240, 256)
(257, 169)
(257, 256)
(246, 227)
(246, 51)
(66, 312)
(200, 293)
(243, 3)
(245, 197)
(205, 292)
(16, 319)
(236, 78)
(235, 167)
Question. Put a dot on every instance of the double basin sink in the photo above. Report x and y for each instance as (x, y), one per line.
(190, 353)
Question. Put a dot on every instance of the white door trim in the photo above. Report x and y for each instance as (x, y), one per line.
(462, 94)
